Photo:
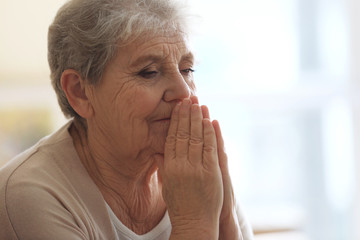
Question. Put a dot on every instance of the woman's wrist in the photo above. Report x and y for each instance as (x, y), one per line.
(229, 228)
(195, 229)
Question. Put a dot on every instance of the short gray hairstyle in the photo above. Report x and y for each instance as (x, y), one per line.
(85, 35)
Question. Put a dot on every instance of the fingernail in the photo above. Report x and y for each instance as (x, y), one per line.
(186, 102)
(177, 107)
(195, 107)
(194, 99)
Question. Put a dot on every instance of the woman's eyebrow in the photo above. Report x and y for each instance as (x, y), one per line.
(145, 59)
(188, 57)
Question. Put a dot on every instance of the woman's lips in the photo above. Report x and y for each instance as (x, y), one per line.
(163, 120)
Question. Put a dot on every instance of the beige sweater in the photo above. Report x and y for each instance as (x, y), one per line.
(46, 193)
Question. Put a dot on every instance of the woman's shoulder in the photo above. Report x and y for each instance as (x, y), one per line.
(39, 156)
(47, 186)
(39, 167)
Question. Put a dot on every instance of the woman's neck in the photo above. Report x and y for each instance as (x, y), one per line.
(131, 188)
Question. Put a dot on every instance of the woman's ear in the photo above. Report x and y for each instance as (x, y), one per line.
(74, 87)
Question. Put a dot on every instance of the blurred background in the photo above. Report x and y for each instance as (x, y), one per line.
(281, 76)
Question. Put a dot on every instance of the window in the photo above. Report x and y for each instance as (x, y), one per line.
(276, 75)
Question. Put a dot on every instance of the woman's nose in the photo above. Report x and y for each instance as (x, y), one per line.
(177, 89)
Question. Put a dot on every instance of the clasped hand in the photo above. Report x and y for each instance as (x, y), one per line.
(196, 184)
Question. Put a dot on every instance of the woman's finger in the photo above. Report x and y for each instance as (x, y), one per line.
(210, 157)
(205, 111)
(223, 159)
(221, 148)
(170, 143)
(194, 99)
(183, 130)
(229, 198)
(196, 138)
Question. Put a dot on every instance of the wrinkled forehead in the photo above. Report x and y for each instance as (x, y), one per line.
(173, 47)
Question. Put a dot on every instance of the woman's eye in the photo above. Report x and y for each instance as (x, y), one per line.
(148, 74)
(187, 71)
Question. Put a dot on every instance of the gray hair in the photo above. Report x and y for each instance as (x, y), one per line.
(85, 35)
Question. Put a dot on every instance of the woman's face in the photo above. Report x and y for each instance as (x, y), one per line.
(140, 87)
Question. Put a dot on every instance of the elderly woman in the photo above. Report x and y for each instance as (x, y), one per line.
(140, 158)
